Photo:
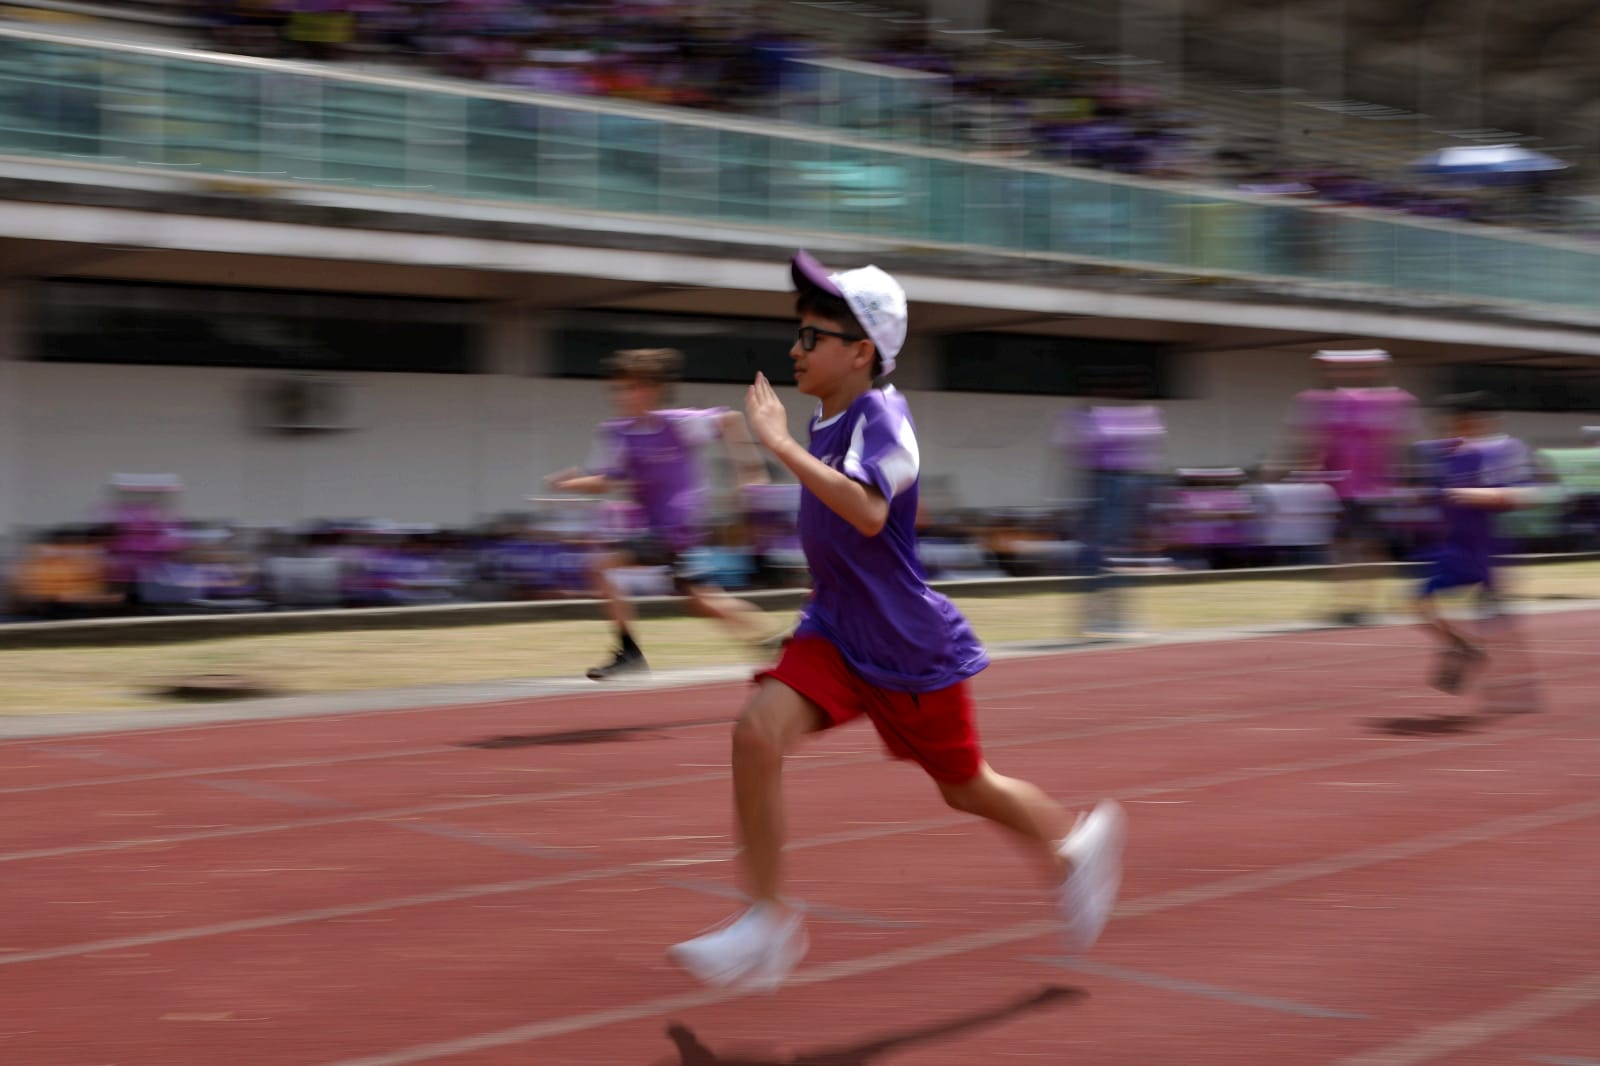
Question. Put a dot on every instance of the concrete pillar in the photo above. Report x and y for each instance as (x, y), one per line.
(11, 345)
(509, 341)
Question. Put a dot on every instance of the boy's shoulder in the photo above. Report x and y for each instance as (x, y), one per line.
(887, 402)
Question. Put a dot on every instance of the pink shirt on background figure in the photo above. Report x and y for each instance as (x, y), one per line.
(1358, 436)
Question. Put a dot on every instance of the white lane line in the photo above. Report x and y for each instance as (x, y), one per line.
(983, 940)
(284, 764)
(1163, 901)
(1463, 1033)
(1168, 983)
(587, 792)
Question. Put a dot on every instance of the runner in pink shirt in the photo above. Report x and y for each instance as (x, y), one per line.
(1356, 430)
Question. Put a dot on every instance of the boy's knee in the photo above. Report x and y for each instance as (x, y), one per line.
(967, 796)
(773, 722)
(751, 736)
(760, 734)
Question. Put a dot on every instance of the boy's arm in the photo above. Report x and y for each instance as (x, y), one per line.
(1508, 498)
(599, 475)
(863, 506)
(742, 452)
(575, 480)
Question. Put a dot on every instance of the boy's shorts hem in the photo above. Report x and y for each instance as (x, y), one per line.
(1359, 519)
(936, 729)
(1445, 579)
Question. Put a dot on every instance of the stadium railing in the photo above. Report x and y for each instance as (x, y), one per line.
(274, 121)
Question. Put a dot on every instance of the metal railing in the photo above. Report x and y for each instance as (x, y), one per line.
(176, 110)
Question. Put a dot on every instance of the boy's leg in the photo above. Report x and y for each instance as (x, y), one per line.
(1085, 858)
(1459, 652)
(1017, 805)
(1511, 685)
(628, 657)
(1356, 550)
(772, 724)
(764, 943)
(618, 610)
(744, 619)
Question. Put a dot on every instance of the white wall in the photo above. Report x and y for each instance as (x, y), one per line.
(451, 448)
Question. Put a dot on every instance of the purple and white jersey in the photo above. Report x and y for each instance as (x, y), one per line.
(1358, 436)
(659, 455)
(870, 596)
(1476, 463)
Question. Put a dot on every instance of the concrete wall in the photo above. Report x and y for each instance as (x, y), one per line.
(448, 448)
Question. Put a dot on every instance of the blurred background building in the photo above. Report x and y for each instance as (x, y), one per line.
(299, 279)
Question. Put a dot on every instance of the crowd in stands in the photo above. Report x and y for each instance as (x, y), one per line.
(736, 58)
(142, 557)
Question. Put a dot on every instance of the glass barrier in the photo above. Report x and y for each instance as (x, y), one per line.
(186, 111)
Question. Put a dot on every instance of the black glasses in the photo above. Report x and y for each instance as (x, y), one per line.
(808, 336)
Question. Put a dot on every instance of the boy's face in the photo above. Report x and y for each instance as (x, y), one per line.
(1355, 375)
(833, 360)
(1467, 424)
(634, 397)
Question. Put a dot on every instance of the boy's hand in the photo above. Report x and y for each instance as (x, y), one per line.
(768, 420)
(558, 481)
(1481, 498)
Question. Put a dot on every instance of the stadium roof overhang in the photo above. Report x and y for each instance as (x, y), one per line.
(544, 258)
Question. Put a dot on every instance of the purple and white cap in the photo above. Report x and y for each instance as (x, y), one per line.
(1353, 357)
(874, 297)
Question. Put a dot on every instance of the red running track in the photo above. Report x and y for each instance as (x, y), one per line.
(1317, 873)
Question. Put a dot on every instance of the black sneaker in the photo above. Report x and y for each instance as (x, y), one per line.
(621, 664)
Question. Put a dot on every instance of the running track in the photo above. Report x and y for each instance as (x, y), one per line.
(494, 885)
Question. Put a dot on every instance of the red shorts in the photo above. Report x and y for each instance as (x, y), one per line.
(935, 729)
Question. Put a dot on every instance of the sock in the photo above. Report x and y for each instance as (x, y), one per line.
(628, 646)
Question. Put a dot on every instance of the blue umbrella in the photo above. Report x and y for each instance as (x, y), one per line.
(1489, 163)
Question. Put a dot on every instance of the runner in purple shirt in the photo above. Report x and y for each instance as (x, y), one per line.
(654, 452)
(874, 639)
(1119, 449)
(1477, 471)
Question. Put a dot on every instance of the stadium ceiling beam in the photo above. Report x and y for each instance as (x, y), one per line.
(549, 293)
(1281, 341)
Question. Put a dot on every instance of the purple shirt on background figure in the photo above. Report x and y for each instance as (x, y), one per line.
(1357, 435)
(870, 597)
(659, 456)
(1465, 554)
(1127, 439)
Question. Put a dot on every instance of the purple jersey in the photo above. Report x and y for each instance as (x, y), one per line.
(659, 456)
(1478, 463)
(1357, 435)
(870, 597)
(1128, 439)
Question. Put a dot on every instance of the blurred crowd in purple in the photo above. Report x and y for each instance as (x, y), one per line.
(736, 58)
(143, 556)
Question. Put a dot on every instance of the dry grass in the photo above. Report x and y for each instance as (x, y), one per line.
(60, 681)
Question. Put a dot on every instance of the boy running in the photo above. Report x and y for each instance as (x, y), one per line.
(874, 639)
(1479, 470)
(654, 453)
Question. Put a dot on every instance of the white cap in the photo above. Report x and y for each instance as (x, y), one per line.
(874, 297)
(1355, 357)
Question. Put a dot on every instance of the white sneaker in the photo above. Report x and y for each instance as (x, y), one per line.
(1094, 848)
(758, 949)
